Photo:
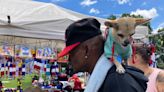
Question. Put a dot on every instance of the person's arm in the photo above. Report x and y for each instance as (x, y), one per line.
(160, 82)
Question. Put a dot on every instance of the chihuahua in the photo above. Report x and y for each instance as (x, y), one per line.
(118, 42)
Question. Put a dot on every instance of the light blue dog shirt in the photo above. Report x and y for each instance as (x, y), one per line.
(119, 52)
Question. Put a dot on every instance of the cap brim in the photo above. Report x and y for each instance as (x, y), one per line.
(67, 49)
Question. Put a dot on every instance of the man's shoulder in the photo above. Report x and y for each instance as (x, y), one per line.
(133, 80)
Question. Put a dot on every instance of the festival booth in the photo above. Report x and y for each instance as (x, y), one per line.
(35, 23)
(33, 31)
(142, 36)
(141, 33)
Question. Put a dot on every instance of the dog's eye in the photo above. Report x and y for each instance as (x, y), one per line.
(132, 34)
(120, 35)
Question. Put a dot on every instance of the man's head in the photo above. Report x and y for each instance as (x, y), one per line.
(124, 28)
(83, 44)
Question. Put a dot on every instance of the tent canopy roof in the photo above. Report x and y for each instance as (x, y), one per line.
(36, 19)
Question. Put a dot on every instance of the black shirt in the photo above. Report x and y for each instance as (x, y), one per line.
(133, 80)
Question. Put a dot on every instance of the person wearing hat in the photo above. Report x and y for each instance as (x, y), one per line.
(85, 47)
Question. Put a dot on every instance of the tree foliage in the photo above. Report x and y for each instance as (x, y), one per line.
(158, 40)
(112, 17)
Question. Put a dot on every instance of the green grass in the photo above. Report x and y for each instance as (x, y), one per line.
(26, 82)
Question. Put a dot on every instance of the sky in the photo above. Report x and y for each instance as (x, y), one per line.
(104, 8)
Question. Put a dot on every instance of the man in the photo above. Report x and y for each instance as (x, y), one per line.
(85, 44)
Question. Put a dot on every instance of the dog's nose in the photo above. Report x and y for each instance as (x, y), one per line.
(126, 42)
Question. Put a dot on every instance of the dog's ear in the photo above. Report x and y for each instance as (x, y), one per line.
(140, 21)
(111, 23)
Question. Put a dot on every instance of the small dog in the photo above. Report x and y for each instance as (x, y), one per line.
(118, 42)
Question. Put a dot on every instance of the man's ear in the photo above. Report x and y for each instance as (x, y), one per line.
(86, 49)
(140, 21)
(111, 23)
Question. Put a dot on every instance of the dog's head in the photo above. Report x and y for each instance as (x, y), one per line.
(124, 28)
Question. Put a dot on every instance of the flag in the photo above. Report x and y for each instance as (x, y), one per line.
(8, 64)
(55, 69)
(11, 69)
(37, 64)
(20, 71)
(45, 65)
(48, 70)
(6, 68)
(23, 70)
(2, 70)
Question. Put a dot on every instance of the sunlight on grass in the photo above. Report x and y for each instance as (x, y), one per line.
(12, 83)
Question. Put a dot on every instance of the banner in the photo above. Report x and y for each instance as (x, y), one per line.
(54, 54)
(39, 53)
(25, 52)
(17, 50)
(47, 52)
(6, 50)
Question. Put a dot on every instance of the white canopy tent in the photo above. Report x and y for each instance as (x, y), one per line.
(36, 19)
(141, 33)
(31, 19)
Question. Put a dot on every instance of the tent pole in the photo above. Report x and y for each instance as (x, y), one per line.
(9, 19)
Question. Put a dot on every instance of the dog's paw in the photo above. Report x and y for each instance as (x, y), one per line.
(120, 69)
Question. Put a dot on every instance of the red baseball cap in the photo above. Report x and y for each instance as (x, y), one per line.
(79, 32)
(66, 50)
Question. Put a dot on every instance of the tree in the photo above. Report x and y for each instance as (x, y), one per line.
(126, 15)
(136, 16)
(158, 40)
(112, 17)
